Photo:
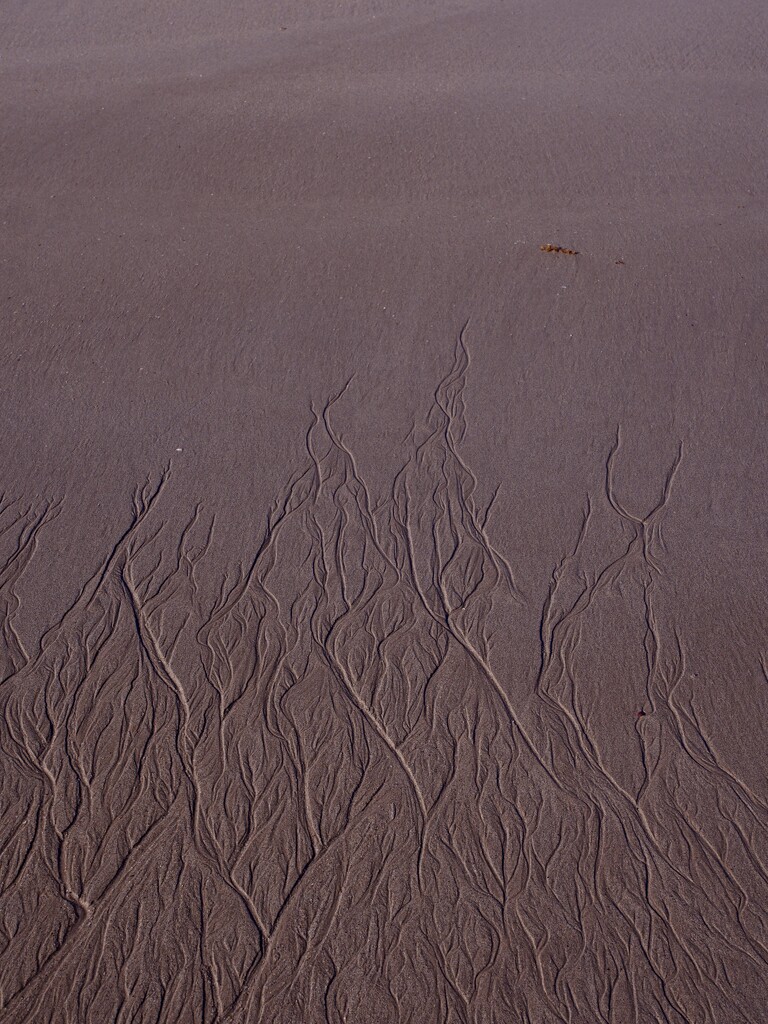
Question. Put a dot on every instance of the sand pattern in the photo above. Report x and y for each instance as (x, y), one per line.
(317, 800)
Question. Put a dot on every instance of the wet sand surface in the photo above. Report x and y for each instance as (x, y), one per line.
(383, 595)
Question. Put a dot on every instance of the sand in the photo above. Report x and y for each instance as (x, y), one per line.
(383, 541)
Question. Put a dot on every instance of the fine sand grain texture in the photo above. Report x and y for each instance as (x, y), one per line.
(383, 539)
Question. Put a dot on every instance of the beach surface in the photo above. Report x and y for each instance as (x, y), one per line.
(383, 532)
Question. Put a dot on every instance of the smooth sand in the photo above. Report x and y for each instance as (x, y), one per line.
(428, 683)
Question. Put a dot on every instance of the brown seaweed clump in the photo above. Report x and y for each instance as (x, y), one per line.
(558, 248)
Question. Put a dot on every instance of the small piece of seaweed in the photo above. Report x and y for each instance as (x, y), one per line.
(558, 248)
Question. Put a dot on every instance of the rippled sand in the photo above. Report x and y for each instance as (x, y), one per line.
(424, 676)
